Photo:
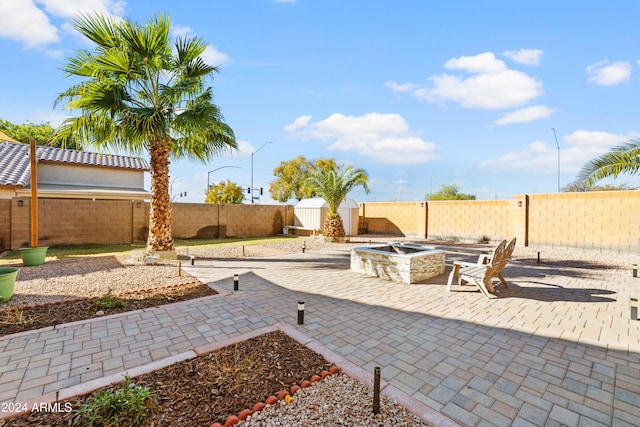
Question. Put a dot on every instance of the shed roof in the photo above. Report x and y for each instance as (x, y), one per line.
(15, 166)
(318, 202)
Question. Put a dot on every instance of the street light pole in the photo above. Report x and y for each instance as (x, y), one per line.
(251, 192)
(221, 167)
(557, 145)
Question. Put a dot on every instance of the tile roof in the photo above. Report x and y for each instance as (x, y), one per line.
(15, 165)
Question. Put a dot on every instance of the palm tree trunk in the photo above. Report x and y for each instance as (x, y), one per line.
(160, 238)
(333, 227)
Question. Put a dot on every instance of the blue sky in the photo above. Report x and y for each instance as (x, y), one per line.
(418, 93)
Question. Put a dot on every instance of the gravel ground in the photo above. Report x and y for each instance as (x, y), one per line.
(337, 400)
(66, 279)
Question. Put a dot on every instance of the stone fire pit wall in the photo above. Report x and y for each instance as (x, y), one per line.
(398, 262)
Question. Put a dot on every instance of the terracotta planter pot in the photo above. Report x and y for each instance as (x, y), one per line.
(7, 282)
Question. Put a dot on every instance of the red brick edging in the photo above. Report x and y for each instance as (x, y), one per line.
(272, 400)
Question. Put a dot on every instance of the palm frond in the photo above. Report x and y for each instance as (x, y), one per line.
(624, 158)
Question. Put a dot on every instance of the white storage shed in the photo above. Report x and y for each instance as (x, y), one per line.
(311, 213)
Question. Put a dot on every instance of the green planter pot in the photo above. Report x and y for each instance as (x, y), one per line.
(7, 282)
(33, 256)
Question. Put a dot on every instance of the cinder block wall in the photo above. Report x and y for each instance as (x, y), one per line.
(5, 224)
(470, 220)
(80, 221)
(394, 218)
(594, 220)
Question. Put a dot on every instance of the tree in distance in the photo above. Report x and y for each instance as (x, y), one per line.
(579, 186)
(291, 177)
(41, 132)
(225, 192)
(450, 192)
(141, 92)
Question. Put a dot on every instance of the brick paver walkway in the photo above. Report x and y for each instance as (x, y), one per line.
(556, 348)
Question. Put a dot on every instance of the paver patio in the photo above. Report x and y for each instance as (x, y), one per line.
(556, 348)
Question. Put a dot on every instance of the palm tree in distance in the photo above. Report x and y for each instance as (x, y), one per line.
(144, 94)
(333, 186)
(624, 158)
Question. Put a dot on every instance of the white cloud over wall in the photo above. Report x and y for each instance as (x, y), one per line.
(604, 73)
(541, 157)
(484, 82)
(526, 115)
(386, 138)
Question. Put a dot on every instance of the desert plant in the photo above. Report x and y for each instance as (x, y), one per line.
(131, 405)
(108, 301)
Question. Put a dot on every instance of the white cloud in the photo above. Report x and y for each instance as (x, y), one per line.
(244, 149)
(526, 115)
(492, 84)
(29, 21)
(70, 9)
(402, 88)
(180, 30)
(478, 64)
(214, 57)
(22, 21)
(384, 137)
(605, 73)
(576, 149)
(298, 123)
(525, 56)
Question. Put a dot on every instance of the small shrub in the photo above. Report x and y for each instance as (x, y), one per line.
(129, 406)
(108, 301)
(484, 239)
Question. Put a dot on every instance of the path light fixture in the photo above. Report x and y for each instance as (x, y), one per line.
(300, 312)
(193, 260)
(235, 282)
(376, 390)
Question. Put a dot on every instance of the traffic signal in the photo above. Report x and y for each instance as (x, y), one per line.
(248, 190)
(261, 191)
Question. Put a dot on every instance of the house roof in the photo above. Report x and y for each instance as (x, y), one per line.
(5, 137)
(15, 165)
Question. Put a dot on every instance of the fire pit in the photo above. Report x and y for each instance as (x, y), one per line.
(400, 262)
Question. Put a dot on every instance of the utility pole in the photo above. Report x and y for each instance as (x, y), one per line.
(401, 188)
(557, 145)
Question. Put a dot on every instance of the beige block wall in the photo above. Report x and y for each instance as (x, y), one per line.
(470, 220)
(595, 220)
(5, 224)
(394, 218)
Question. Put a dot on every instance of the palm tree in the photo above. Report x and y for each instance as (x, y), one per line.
(624, 158)
(333, 186)
(143, 94)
